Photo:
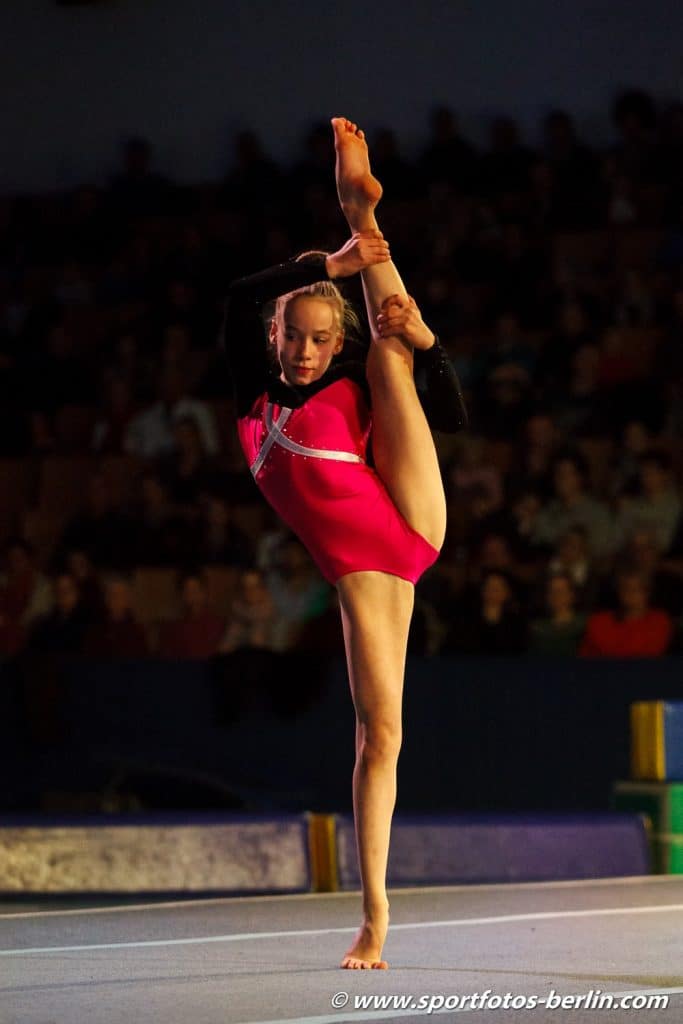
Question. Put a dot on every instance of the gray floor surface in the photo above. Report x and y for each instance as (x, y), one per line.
(275, 959)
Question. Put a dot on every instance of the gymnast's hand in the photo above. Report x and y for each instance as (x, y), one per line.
(363, 249)
(401, 317)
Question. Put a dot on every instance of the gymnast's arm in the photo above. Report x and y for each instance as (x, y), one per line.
(438, 388)
(242, 333)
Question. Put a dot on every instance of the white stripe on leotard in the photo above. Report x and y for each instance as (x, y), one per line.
(275, 436)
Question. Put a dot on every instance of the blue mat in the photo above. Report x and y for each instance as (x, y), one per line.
(443, 850)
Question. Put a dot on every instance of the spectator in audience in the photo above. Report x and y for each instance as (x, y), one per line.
(506, 165)
(577, 193)
(581, 407)
(448, 158)
(12, 638)
(117, 634)
(25, 591)
(634, 441)
(635, 153)
(129, 361)
(521, 284)
(642, 553)
(560, 630)
(188, 471)
(509, 346)
(657, 505)
(100, 527)
(197, 633)
(62, 630)
(472, 473)
(78, 564)
(617, 368)
(493, 624)
(506, 403)
(179, 352)
(493, 553)
(535, 452)
(634, 629)
(219, 540)
(298, 590)
(162, 535)
(117, 410)
(252, 618)
(572, 557)
(55, 374)
(441, 309)
(621, 380)
(635, 303)
(514, 520)
(621, 199)
(571, 329)
(572, 504)
(150, 433)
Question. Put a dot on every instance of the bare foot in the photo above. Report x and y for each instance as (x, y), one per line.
(358, 190)
(365, 951)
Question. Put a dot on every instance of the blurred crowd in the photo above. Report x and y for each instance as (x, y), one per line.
(551, 271)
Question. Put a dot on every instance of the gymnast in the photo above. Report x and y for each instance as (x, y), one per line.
(343, 451)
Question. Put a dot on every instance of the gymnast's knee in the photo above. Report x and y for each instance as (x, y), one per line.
(379, 741)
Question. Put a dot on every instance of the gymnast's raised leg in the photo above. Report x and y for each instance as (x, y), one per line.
(377, 607)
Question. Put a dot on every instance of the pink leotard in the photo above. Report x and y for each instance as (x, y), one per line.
(310, 464)
(307, 446)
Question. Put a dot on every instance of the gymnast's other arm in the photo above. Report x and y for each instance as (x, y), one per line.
(436, 381)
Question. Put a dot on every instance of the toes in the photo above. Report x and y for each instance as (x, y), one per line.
(357, 964)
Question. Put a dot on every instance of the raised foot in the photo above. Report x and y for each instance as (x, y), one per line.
(358, 189)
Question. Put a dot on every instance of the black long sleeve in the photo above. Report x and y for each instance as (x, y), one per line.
(439, 390)
(243, 331)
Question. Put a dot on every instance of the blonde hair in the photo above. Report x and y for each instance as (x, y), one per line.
(345, 316)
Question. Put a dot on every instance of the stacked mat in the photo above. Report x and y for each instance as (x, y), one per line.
(494, 848)
(655, 788)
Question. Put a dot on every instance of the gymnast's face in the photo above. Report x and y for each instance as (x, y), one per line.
(306, 339)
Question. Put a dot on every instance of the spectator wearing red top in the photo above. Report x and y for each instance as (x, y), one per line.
(634, 630)
(198, 632)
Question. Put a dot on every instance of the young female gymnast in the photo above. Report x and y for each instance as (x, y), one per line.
(308, 424)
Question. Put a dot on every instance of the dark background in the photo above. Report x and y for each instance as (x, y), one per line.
(75, 80)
